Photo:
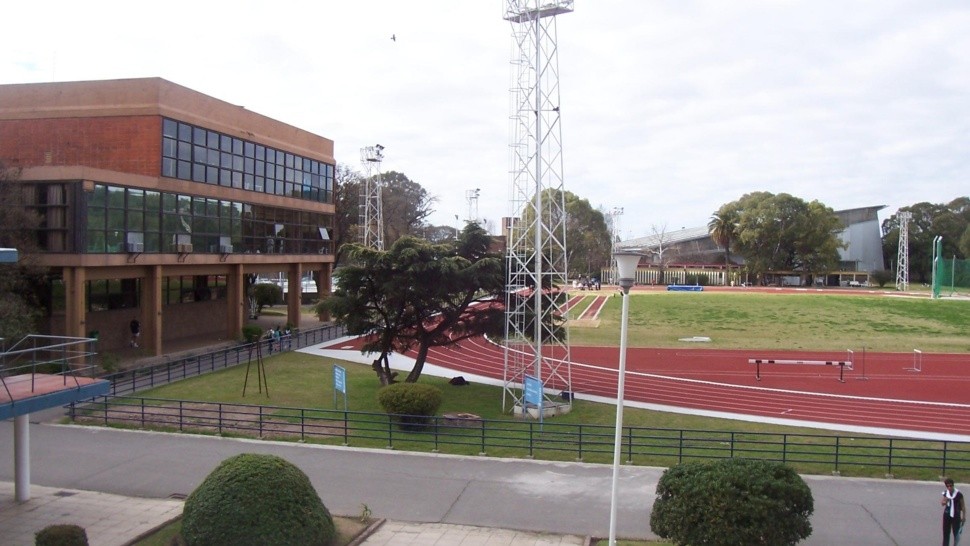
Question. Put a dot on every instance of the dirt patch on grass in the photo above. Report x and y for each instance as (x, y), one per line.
(215, 418)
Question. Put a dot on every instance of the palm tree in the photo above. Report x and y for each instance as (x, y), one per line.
(722, 228)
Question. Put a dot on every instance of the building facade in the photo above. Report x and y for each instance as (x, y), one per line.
(684, 256)
(162, 204)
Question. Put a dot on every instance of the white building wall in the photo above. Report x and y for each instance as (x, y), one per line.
(864, 246)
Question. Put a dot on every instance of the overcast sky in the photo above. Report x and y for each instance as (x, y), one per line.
(670, 108)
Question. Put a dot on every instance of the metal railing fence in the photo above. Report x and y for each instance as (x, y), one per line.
(856, 455)
(136, 379)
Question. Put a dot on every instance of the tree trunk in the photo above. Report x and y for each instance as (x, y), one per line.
(418, 363)
(382, 367)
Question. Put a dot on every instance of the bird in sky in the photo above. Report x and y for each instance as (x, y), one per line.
(393, 38)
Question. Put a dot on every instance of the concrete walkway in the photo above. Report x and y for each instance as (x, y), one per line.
(108, 520)
(431, 499)
(115, 520)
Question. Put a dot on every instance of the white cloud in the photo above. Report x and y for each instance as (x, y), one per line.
(669, 108)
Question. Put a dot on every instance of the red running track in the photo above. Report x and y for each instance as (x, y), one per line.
(878, 394)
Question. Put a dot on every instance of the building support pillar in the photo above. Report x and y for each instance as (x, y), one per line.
(293, 294)
(21, 448)
(75, 300)
(236, 315)
(151, 310)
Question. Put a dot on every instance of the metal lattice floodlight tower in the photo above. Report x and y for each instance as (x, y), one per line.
(902, 254)
(614, 239)
(371, 208)
(536, 337)
(472, 197)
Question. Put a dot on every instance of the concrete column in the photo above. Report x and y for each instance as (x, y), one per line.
(236, 316)
(21, 448)
(151, 310)
(75, 311)
(294, 278)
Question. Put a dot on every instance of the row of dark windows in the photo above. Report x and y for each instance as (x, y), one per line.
(200, 155)
(111, 217)
(109, 294)
(118, 217)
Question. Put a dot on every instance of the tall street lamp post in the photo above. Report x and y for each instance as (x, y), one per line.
(626, 265)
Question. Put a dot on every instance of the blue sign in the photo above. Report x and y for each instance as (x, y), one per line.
(533, 391)
(340, 379)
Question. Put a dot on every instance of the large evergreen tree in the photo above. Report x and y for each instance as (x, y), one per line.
(588, 244)
(784, 233)
(406, 206)
(20, 306)
(417, 295)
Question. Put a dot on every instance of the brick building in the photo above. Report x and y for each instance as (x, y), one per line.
(163, 204)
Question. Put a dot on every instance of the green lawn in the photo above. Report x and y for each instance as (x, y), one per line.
(809, 321)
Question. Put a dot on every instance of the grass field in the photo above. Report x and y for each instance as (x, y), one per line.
(807, 321)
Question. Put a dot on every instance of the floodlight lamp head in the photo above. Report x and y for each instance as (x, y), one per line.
(626, 266)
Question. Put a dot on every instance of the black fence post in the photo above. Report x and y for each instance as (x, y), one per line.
(629, 452)
(838, 445)
(302, 424)
(532, 454)
(680, 447)
(580, 457)
(346, 428)
(390, 431)
(437, 423)
(483, 451)
(889, 469)
(945, 448)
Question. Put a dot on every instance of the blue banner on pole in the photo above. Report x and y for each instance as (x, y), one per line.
(340, 379)
(533, 391)
(339, 385)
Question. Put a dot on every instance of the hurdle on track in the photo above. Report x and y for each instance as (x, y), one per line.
(917, 362)
(851, 356)
(842, 364)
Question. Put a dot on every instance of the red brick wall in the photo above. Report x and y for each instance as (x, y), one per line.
(128, 144)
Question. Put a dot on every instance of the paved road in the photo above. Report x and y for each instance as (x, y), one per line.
(571, 498)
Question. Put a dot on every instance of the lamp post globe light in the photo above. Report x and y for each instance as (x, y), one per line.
(626, 265)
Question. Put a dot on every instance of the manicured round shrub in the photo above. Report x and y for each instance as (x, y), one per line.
(413, 403)
(254, 499)
(61, 535)
(730, 502)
